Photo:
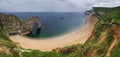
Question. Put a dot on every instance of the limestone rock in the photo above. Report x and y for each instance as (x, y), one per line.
(14, 25)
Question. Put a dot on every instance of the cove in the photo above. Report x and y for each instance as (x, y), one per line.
(54, 23)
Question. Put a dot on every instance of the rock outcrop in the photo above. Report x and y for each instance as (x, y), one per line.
(34, 21)
(14, 25)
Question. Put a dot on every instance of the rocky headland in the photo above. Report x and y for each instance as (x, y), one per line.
(77, 36)
(13, 25)
(95, 39)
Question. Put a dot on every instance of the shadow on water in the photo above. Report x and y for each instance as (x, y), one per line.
(35, 30)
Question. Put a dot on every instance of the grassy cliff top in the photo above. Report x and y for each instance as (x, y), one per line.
(103, 42)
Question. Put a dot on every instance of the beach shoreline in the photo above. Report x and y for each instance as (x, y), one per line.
(75, 37)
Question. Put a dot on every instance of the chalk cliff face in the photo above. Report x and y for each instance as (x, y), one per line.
(14, 25)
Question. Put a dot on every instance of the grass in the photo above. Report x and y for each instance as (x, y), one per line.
(116, 51)
(79, 50)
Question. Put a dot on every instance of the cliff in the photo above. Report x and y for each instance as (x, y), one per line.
(105, 39)
(13, 25)
(103, 42)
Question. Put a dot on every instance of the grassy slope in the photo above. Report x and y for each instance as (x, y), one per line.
(96, 46)
(6, 43)
(104, 25)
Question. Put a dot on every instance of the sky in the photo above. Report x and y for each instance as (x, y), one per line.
(54, 5)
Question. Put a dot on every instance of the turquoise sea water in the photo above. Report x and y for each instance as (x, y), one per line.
(55, 23)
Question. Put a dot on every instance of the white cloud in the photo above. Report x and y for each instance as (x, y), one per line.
(54, 5)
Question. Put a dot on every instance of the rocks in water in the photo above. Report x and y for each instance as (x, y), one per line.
(14, 25)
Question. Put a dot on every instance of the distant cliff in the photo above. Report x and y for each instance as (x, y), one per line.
(12, 25)
(103, 42)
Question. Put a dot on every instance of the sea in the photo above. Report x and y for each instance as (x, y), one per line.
(54, 23)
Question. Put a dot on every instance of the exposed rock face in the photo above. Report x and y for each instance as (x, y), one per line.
(14, 25)
(34, 21)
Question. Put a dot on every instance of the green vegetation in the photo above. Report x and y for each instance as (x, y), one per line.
(5, 43)
(94, 47)
(116, 51)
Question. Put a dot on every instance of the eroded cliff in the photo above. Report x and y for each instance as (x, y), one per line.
(12, 25)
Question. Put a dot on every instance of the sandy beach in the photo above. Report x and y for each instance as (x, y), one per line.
(75, 37)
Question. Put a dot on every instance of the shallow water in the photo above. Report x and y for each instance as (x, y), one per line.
(55, 23)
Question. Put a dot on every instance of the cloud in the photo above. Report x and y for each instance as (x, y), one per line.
(54, 5)
(109, 3)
